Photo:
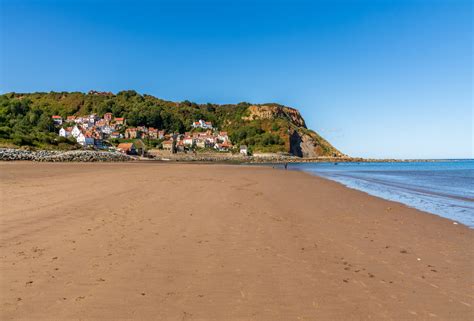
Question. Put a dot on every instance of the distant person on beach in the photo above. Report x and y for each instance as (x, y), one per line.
(286, 165)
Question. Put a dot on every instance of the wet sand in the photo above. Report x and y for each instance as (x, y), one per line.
(149, 241)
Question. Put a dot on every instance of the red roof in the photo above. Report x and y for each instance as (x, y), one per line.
(56, 117)
(125, 146)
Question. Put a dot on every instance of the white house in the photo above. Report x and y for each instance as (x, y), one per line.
(75, 132)
(202, 124)
(85, 140)
(79, 120)
(107, 130)
(188, 141)
(209, 141)
(222, 137)
(200, 142)
(93, 118)
(244, 150)
(64, 133)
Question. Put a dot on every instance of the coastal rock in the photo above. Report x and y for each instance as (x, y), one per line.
(308, 144)
(11, 154)
(274, 111)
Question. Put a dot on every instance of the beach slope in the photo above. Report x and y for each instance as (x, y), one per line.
(150, 241)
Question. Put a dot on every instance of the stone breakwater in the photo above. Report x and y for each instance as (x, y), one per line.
(237, 158)
(11, 154)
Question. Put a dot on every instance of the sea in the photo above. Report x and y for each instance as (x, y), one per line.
(441, 187)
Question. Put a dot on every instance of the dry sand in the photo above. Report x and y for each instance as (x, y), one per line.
(149, 241)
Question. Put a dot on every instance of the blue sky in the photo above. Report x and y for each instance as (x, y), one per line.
(377, 78)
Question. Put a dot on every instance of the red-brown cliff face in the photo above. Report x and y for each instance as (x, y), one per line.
(299, 140)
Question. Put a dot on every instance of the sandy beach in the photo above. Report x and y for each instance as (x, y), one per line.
(151, 241)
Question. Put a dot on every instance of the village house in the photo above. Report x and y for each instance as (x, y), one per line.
(188, 141)
(200, 142)
(244, 150)
(168, 145)
(85, 140)
(115, 135)
(180, 147)
(78, 120)
(119, 121)
(86, 125)
(75, 132)
(152, 133)
(65, 132)
(202, 124)
(108, 117)
(57, 120)
(70, 119)
(210, 140)
(222, 137)
(132, 133)
(93, 118)
(100, 123)
(223, 147)
(161, 134)
(107, 130)
(127, 148)
(97, 134)
(140, 146)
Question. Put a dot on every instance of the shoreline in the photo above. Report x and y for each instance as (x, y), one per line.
(19, 154)
(149, 240)
(455, 222)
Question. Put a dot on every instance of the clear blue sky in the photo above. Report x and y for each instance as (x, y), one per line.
(377, 78)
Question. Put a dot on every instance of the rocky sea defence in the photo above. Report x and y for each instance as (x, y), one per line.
(12, 154)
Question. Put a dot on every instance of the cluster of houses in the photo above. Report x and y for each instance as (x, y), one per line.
(144, 132)
(202, 124)
(217, 140)
(91, 131)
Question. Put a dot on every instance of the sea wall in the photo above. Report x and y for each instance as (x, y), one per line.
(239, 158)
(11, 154)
